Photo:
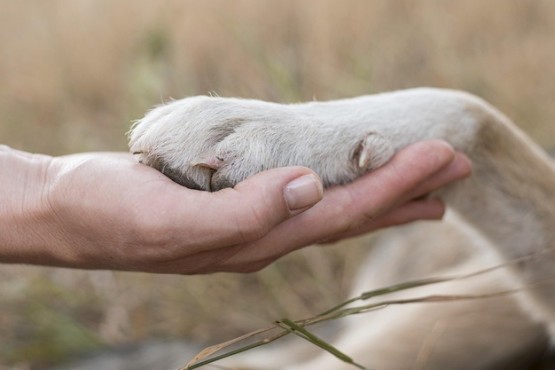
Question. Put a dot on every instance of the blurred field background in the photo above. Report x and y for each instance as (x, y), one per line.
(74, 74)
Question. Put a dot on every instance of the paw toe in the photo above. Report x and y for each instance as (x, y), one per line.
(372, 152)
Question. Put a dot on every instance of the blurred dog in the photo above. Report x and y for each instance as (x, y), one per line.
(504, 213)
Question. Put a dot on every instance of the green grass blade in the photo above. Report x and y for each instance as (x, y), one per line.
(302, 332)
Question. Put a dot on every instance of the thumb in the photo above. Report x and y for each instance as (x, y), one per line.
(256, 205)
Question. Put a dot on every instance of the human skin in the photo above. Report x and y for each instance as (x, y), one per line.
(106, 211)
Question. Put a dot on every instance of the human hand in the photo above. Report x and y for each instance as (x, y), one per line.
(105, 211)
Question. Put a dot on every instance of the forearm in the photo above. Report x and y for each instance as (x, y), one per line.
(24, 214)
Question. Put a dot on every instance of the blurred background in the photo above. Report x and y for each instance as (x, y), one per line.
(75, 74)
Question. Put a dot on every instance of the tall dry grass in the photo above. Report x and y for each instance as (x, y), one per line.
(73, 74)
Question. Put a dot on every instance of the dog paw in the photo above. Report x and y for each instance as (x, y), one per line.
(210, 143)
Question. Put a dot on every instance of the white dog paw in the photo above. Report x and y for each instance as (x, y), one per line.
(211, 143)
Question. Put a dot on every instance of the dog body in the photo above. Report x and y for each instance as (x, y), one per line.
(503, 212)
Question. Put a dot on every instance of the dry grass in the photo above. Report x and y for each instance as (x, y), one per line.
(74, 73)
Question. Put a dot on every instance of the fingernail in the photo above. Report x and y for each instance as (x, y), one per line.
(303, 192)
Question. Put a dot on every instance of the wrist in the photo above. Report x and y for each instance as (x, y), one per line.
(24, 209)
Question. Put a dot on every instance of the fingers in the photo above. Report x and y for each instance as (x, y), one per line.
(407, 209)
(458, 169)
(378, 192)
(426, 209)
(410, 209)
